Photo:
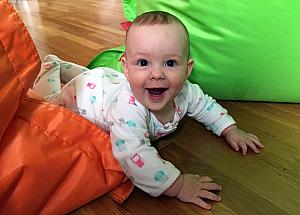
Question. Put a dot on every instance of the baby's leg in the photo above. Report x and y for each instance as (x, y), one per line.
(54, 74)
(72, 86)
(85, 93)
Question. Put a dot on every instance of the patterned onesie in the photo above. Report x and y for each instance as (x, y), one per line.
(104, 97)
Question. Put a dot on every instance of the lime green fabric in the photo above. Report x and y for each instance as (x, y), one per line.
(109, 58)
(243, 50)
(129, 7)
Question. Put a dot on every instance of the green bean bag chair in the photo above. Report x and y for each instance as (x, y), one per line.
(243, 50)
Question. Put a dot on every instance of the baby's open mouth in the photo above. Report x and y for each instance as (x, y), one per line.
(156, 91)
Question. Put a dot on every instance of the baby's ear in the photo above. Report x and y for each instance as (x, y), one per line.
(124, 65)
(190, 67)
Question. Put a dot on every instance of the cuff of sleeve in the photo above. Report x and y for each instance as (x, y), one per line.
(225, 123)
(168, 184)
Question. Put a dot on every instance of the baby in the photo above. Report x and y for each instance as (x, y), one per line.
(146, 103)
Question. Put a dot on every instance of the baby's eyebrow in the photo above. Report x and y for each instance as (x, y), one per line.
(174, 56)
(140, 53)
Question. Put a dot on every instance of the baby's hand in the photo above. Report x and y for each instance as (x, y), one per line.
(239, 139)
(196, 189)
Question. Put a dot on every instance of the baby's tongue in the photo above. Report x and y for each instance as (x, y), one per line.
(156, 91)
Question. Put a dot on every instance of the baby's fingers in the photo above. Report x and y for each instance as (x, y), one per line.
(243, 146)
(205, 195)
(256, 140)
(208, 195)
(201, 203)
(234, 146)
(204, 179)
(210, 186)
(253, 146)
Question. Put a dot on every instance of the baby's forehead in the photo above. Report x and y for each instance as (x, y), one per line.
(177, 27)
(175, 30)
(146, 30)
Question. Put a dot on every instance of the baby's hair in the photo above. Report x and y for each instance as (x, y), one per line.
(160, 17)
(156, 17)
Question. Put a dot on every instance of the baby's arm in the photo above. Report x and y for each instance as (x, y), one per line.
(207, 111)
(141, 162)
(239, 139)
(130, 140)
(195, 189)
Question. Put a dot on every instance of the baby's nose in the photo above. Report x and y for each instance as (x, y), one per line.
(157, 73)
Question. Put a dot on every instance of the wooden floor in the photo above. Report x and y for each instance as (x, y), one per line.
(268, 183)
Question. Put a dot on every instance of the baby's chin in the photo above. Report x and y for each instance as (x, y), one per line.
(154, 107)
(160, 107)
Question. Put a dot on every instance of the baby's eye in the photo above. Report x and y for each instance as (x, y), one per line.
(170, 63)
(142, 62)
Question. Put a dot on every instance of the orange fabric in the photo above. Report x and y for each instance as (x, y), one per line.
(19, 64)
(52, 161)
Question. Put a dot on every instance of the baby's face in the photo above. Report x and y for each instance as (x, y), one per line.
(156, 64)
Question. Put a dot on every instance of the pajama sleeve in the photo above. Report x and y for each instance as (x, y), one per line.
(206, 110)
(132, 148)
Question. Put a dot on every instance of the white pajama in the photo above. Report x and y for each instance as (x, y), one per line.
(104, 97)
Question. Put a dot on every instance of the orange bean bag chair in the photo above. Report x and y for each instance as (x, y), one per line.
(52, 161)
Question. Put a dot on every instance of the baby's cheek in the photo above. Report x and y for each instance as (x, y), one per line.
(177, 86)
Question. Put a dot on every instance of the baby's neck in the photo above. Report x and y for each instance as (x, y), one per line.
(165, 115)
